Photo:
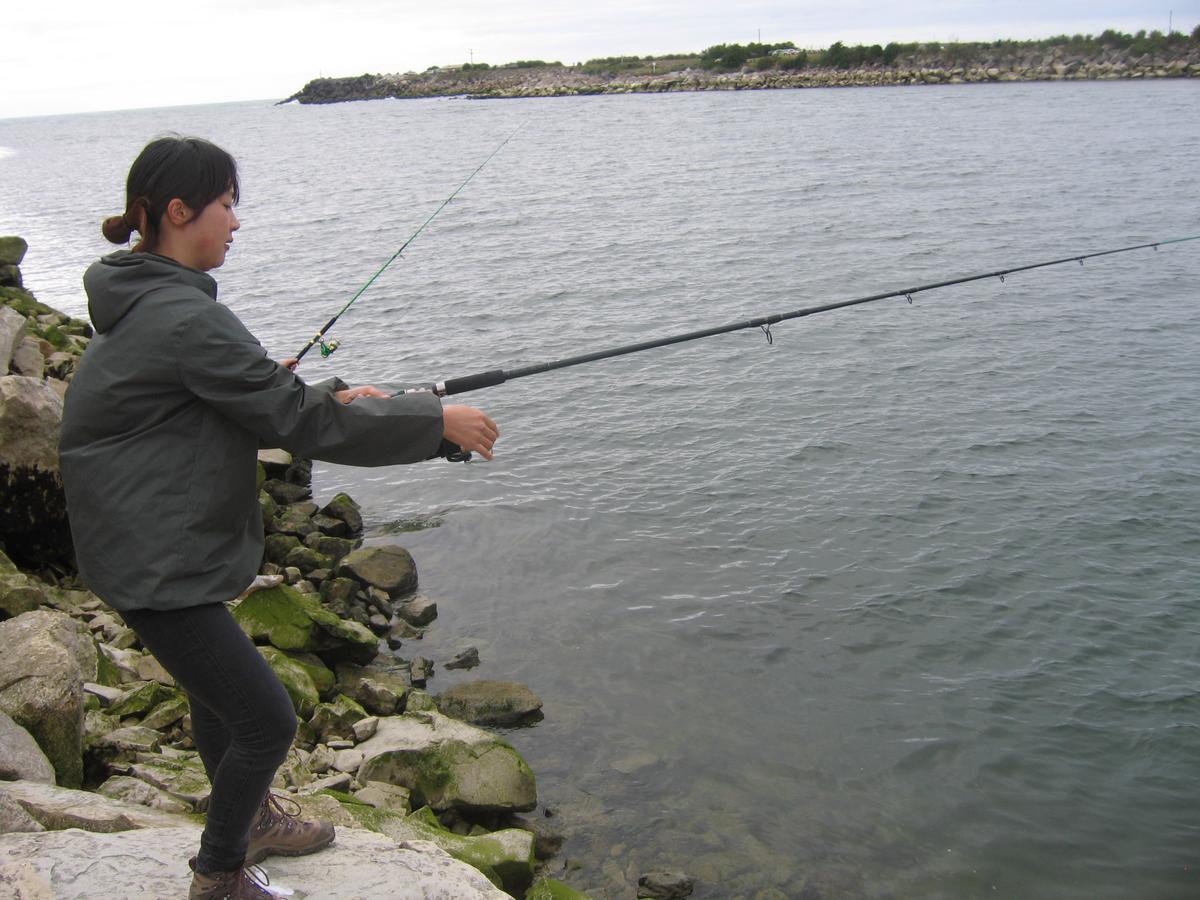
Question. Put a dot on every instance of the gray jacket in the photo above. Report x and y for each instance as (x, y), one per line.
(161, 430)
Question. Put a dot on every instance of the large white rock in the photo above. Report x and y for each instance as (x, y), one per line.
(12, 332)
(58, 808)
(152, 863)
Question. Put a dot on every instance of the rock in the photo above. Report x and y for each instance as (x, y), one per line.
(347, 760)
(468, 659)
(140, 699)
(296, 679)
(332, 548)
(12, 250)
(420, 672)
(380, 691)
(389, 568)
(167, 713)
(19, 594)
(28, 360)
(290, 620)
(346, 510)
(57, 808)
(364, 729)
(13, 817)
(550, 889)
(401, 631)
(183, 779)
(285, 493)
(152, 863)
(33, 518)
(338, 782)
(388, 797)
(336, 719)
(665, 886)
(131, 740)
(275, 462)
(21, 759)
(134, 790)
(547, 841)
(504, 703)
(47, 657)
(448, 764)
(418, 611)
(12, 333)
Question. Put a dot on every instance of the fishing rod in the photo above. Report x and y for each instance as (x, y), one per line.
(318, 339)
(500, 376)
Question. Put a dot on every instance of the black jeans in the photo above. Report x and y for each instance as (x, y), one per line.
(243, 721)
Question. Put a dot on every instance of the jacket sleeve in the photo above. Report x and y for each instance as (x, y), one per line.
(224, 365)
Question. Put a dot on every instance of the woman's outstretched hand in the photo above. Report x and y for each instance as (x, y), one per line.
(470, 428)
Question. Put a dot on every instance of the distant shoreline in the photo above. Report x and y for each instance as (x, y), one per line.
(1014, 63)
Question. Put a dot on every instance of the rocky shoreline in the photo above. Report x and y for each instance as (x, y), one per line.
(1055, 64)
(101, 790)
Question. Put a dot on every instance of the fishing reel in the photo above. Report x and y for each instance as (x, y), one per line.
(327, 348)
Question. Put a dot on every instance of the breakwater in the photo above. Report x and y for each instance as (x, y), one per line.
(1053, 64)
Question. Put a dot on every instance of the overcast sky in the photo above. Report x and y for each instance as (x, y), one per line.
(84, 55)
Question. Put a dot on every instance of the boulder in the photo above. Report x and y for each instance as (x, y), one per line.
(289, 620)
(335, 720)
(12, 333)
(46, 660)
(140, 699)
(152, 862)
(389, 568)
(418, 611)
(57, 808)
(505, 703)
(183, 779)
(12, 250)
(381, 692)
(13, 817)
(21, 759)
(134, 790)
(304, 676)
(28, 360)
(33, 518)
(19, 594)
(665, 886)
(448, 764)
(505, 857)
(550, 889)
(346, 510)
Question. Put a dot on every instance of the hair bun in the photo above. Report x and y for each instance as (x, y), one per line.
(116, 229)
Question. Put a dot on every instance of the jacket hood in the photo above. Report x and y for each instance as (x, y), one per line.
(115, 283)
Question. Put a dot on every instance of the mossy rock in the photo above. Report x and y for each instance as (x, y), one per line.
(167, 713)
(141, 699)
(550, 889)
(504, 857)
(183, 779)
(289, 620)
(12, 250)
(295, 680)
(336, 720)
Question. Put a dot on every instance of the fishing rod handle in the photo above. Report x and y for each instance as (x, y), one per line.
(471, 382)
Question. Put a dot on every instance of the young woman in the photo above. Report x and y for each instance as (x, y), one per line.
(161, 429)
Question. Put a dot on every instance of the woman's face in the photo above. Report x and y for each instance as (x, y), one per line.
(210, 233)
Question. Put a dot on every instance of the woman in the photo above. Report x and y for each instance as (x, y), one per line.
(161, 429)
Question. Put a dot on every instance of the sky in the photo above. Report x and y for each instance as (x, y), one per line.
(65, 56)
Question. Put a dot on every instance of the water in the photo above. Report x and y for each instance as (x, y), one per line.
(900, 605)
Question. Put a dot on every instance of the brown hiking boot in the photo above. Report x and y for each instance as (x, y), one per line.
(279, 831)
(240, 884)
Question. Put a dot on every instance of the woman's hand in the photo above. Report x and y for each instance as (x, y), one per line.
(367, 390)
(470, 428)
(290, 363)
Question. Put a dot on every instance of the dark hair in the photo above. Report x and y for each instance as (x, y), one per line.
(192, 169)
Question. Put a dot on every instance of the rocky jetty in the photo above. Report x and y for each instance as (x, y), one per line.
(101, 791)
(1014, 63)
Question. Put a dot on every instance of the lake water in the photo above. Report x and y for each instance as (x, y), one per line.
(902, 604)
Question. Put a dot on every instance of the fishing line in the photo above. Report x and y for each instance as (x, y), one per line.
(494, 377)
(319, 337)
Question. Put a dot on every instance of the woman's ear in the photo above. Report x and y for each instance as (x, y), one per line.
(178, 212)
